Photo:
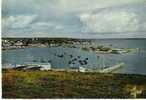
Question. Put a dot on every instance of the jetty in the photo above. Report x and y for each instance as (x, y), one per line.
(101, 68)
(111, 69)
(47, 66)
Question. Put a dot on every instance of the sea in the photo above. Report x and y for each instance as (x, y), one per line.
(61, 57)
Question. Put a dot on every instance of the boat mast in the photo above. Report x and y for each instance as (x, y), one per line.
(103, 62)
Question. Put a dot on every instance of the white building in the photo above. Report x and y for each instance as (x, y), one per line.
(46, 66)
(19, 43)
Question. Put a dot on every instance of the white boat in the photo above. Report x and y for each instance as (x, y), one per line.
(33, 66)
(82, 69)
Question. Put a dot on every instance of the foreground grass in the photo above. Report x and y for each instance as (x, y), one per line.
(52, 84)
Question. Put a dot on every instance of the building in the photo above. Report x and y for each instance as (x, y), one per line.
(18, 43)
(45, 66)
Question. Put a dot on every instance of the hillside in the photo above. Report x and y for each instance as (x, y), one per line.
(54, 84)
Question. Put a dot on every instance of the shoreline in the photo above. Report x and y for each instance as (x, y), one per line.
(85, 45)
(88, 49)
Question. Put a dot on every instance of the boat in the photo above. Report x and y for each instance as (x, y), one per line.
(82, 69)
(34, 66)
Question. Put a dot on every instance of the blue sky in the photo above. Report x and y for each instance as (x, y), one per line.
(74, 18)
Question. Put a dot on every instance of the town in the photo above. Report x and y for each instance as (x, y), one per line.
(13, 43)
(83, 44)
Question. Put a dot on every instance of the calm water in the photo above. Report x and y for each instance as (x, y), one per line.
(135, 63)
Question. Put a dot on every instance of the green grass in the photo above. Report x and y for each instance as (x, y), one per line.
(52, 84)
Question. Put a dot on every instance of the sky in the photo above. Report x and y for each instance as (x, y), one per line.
(74, 18)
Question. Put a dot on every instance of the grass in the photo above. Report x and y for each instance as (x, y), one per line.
(53, 84)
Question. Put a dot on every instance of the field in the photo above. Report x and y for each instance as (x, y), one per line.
(55, 84)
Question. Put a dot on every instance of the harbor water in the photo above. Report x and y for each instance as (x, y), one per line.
(61, 57)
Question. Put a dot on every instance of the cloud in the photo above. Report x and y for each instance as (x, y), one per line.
(58, 7)
(112, 20)
(46, 27)
(143, 26)
(41, 24)
(72, 17)
(21, 21)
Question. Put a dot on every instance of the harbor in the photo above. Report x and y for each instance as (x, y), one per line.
(34, 66)
(63, 57)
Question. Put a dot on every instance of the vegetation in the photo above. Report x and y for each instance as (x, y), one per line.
(55, 84)
(27, 41)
